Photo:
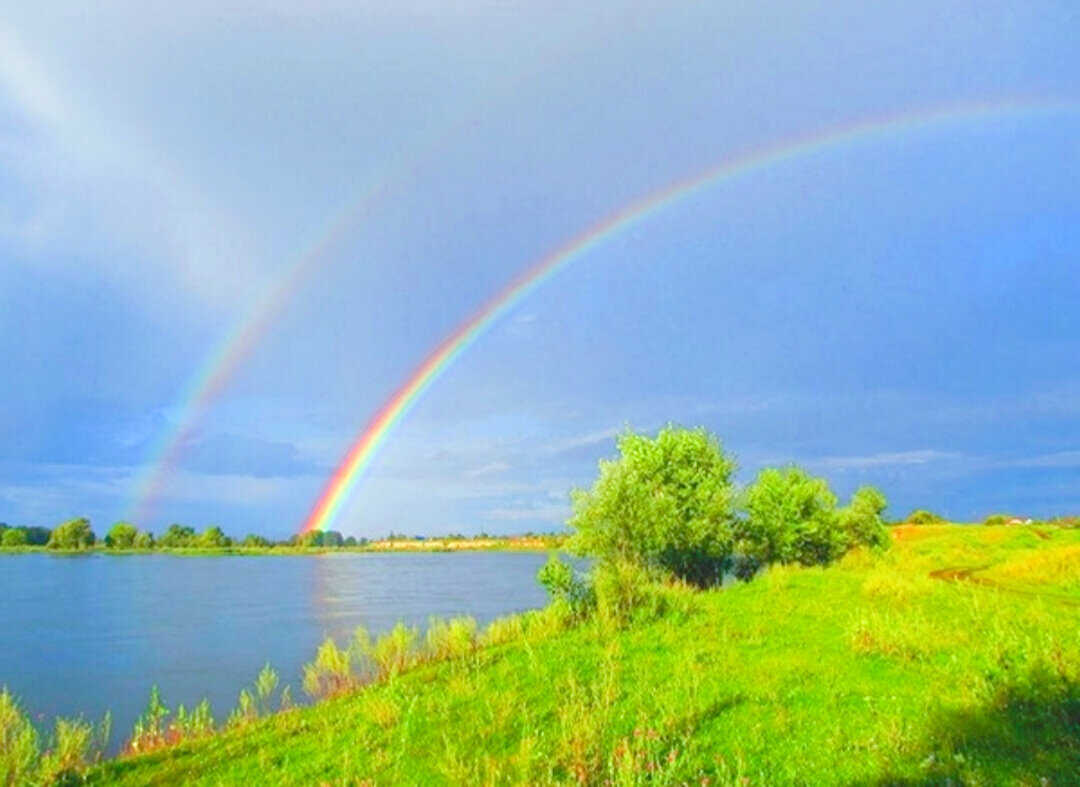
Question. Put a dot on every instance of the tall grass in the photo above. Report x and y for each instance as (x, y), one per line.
(72, 748)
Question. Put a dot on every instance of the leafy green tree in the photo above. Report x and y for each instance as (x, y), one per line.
(14, 537)
(73, 534)
(253, 541)
(351, 541)
(177, 536)
(861, 519)
(790, 517)
(667, 503)
(121, 536)
(331, 538)
(308, 540)
(144, 539)
(213, 538)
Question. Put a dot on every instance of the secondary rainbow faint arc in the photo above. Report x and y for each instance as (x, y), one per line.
(366, 446)
(235, 345)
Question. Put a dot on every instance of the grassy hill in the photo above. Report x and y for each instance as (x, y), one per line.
(953, 656)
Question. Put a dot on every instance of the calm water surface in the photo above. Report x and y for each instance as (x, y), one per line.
(86, 634)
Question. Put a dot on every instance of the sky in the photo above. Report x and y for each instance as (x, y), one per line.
(230, 231)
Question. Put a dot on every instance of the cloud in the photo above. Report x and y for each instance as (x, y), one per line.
(894, 459)
(1061, 459)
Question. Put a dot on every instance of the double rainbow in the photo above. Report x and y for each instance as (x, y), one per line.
(364, 449)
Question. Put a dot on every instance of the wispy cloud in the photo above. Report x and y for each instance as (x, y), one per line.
(1061, 459)
(888, 459)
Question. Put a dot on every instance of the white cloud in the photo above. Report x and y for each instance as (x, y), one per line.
(1061, 459)
(895, 459)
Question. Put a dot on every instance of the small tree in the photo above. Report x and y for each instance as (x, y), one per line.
(144, 539)
(253, 541)
(73, 534)
(14, 537)
(213, 538)
(667, 503)
(790, 518)
(121, 536)
(177, 536)
(861, 520)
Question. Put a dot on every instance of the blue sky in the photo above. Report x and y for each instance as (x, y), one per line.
(900, 311)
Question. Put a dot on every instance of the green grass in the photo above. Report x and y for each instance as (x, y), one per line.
(868, 672)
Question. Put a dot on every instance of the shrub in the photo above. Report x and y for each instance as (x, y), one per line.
(564, 586)
(396, 650)
(924, 517)
(18, 741)
(791, 517)
(667, 503)
(623, 589)
(73, 534)
(861, 519)
(330, 673)
(996, 519)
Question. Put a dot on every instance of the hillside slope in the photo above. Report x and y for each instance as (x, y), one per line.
(956, 655)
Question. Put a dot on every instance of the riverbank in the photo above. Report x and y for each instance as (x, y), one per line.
(881, 669)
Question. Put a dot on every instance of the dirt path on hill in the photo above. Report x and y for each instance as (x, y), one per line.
(968, 574)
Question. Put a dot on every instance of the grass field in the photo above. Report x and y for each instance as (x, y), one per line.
(953, 656)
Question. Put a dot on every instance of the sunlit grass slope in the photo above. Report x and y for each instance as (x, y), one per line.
(904, 668)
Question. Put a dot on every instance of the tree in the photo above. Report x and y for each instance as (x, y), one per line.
(177, 536)
(121, 536)
(667, 503)
(790, 517)
(36, 536)
(924, 517)
(253, 541)
(14, 537)
(861, 519)
(213, 538)
(144, 539)
(73, 534)
(331, 538)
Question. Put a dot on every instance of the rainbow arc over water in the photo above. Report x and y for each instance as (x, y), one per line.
(365, 447)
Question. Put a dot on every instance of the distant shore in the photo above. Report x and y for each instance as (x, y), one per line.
(494, 544)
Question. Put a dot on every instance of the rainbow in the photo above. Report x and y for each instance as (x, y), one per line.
(363, 451)
(221, 363)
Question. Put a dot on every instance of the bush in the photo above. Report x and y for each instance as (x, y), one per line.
(924, 517)
(996, 519)
(122, 535)
(861, 520)
(564, 586)
(15, 537)
(330, 673)
(791, 517)
(73, 534)
(667, 503)
(177, 537)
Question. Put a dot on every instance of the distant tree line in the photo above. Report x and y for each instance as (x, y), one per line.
(78, 535)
